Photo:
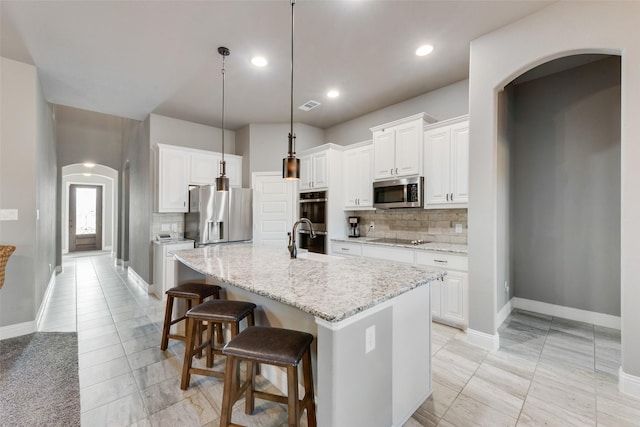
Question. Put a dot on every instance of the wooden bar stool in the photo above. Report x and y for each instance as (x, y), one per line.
(272, 346)
(192, 292)
(215, 313)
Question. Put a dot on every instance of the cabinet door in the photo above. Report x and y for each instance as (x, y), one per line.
(384, 154)
(351, 177)
(437, 166)
(234, 170)
(173, 177)
(453, 298)
(320, 168)
(459, 151)
(365, 177)
(204, 168)
(408, 149)
(306, 172)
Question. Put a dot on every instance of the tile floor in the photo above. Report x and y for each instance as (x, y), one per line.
(548, 371)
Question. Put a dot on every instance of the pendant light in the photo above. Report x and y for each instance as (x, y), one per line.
(290, 164)
(222, 182)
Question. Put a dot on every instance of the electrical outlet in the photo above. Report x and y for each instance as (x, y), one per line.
(8, 214)
(370, 339)
(506, 286)
(174, 227)
(165, 227)
(458, 228)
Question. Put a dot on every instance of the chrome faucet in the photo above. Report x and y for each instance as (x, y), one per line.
(292, 236)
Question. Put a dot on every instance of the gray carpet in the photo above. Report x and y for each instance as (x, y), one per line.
(39, 380)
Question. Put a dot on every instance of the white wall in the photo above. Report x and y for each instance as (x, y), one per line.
(166, 130)
(444, 103)
(28, 184)
(562, 29)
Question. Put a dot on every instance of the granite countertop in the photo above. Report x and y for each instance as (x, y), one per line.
(329, 287)
(172, 241)
(453, 248)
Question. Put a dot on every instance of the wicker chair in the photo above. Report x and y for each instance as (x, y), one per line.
(5, 253)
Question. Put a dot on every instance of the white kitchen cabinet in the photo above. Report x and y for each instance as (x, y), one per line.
(314, 171)
(446, 161)
(173, 179)
(205, 168)
(164, 265)
(449, 298)
(389, 253)
(358, 176)
(347, 249)
(398, 147)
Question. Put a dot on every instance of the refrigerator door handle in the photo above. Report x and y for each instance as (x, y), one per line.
(220, 225)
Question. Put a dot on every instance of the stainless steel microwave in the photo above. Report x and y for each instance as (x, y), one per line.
(398, 193)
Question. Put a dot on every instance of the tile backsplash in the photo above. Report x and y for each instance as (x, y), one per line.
(416, 224)
(168, 220)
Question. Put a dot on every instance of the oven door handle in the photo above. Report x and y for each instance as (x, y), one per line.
(312, 200)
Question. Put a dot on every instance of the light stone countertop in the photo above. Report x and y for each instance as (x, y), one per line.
(331, 288)
(453, 248)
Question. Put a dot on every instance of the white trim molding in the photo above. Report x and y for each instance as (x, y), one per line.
(504, 312)
(483, 340)
(628, 384)
(570, 313)
(45, 300)
(139, 280)
(17, 330)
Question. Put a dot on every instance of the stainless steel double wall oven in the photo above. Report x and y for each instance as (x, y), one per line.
(313, 205)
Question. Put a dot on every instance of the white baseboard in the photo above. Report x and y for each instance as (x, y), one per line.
(139, 280)
(483, 340)
(504, 312)
(570, 313)
(45, 300)
(628, 384)
(17, 330)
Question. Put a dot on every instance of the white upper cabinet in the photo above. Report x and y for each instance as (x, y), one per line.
(446, 160)
(314, 171)
(173, 179)
(179, 167)
(358, 176)
(398, 147)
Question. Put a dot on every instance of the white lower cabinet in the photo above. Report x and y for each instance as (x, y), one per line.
(449, 297)
(344, 248)
(388, 253)
(164, 265)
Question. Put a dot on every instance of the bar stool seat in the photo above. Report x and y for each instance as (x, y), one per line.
(272, 346)
(216, 313)
(192, 292)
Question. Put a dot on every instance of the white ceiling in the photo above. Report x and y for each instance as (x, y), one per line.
(131, 59)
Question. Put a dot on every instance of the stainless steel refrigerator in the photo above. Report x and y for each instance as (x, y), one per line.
(218, 217)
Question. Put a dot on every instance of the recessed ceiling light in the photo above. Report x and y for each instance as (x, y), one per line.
(86, 174)
(88, 164)
(333, 93)
(424, 50)
(259, 61)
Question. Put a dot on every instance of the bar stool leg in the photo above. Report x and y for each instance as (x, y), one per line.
(188, 352)
(250, 401)
(308, 389)
(210, 327)
(167, 320)
(292, 396)
(230, 391)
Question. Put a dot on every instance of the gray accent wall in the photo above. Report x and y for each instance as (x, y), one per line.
(444, 103)
(565, 188)
(28, 184)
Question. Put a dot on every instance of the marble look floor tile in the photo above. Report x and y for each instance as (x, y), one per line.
(166, 393)
(96, 332)
(193, 410)
(142, 343)
(147, 357)
(466, 411)
(567, 375)
(615, 412)
(432, 410)
(576, 401)
(455, 379)
(96, 357)
(573, 327)
(104, 371)
(471, 352)
(158, 372)
(535, 320)
(91, 344)
(107, 391)
(125, 411)
(137, 332)
(412, 422)
(537, 412)
(94, 323)
(513, 363)
(83, 317)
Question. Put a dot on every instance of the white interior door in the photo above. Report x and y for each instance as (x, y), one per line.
(273, 208)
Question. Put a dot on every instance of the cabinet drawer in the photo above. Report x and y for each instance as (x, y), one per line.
(388, 253)
(343, 248)
(441, 260)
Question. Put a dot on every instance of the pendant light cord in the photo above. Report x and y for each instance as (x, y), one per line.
(223, 77)
(291, 135)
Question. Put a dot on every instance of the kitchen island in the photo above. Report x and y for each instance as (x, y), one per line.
(371, 320)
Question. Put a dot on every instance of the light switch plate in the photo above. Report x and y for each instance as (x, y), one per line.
(8, 214)
(370, 339)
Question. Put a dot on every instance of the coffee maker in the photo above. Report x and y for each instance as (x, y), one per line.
(354, 230)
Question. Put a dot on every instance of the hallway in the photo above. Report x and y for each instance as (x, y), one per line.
(549, 371)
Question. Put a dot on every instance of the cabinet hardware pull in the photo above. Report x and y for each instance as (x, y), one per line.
(441, 261)
(452, 197)
(345, 249)
(396, 171)
(391, 171)
(447, 197)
